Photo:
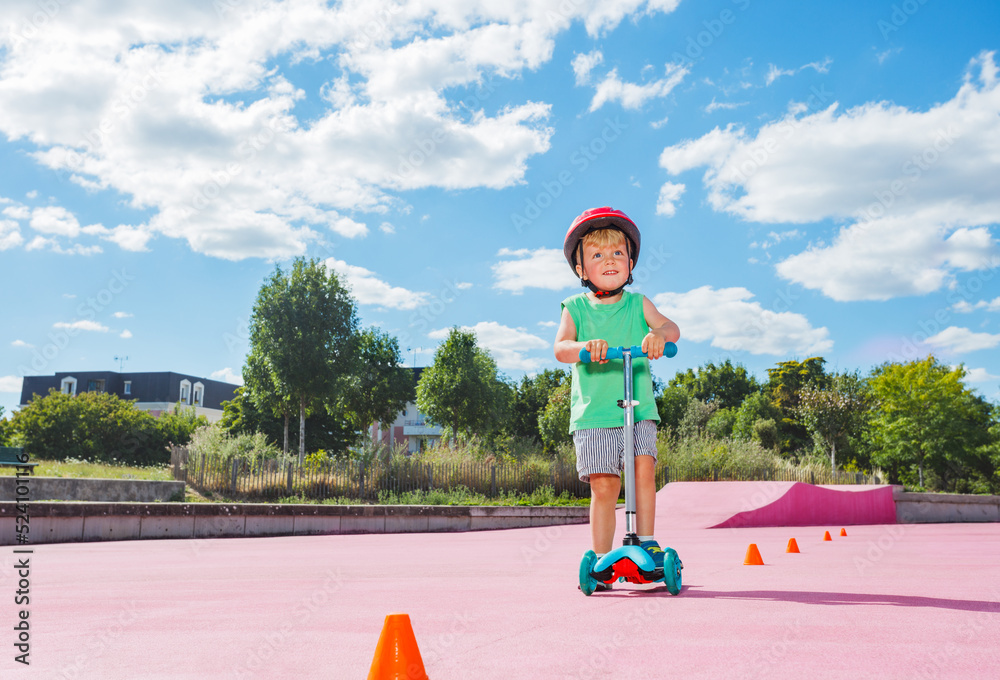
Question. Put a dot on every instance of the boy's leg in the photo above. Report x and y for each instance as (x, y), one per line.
(645, 495)
(604, 492)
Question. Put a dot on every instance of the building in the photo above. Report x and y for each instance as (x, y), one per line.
(152, 392)
(410, 427)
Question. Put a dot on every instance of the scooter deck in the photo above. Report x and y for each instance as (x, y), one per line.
(630, 563)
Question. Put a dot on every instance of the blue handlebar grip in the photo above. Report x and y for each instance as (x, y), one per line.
(616, 353)
(670, 350)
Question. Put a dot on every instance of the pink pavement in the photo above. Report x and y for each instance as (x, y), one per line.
(886, 601)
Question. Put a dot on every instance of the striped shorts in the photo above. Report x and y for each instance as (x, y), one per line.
(601, 450)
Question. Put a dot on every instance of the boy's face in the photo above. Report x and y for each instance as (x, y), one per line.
(607, 267)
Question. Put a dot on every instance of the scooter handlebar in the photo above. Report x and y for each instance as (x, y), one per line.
(669, 351)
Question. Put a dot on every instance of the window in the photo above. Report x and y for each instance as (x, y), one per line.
(128, 387)
(199, 392)
(95, 385)
(185, 391)
(68, 386)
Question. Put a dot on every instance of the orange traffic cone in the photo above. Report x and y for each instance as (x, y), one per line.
(827, 537)
(843, 532)
(753, 555)
(397, 656)
(793, 547)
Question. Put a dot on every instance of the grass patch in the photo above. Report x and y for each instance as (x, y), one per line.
(458, 496)
(86, 469)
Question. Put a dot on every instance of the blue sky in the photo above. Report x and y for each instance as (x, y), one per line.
(809, 178)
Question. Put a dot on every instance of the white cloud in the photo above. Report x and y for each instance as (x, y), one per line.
(882, 56)
(727, 106)
(818, 66)
(541, 268)
(227, 375)
(774, 238)
(55, 220)
(186, 110)
(508, 346)
(961, 340)
(17, 212)
(915, 191)
(965, 307)
(125, 334)
(20, 343)
(978, 375)
(122, 315)
(370, 290)
(345, 226)
(387, 228)
(773, 73)
(10, 234)
(731, 321)
(82, 325)
(10, 383)
(583, 64)
(632, 95)
(670, 194)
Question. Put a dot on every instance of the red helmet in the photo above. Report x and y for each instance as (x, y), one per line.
(600, 218)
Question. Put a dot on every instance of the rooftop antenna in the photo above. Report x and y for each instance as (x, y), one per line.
(121, 362)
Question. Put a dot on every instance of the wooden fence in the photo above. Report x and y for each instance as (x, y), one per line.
(269, 480)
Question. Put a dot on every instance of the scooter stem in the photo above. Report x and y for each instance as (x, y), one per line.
(627, 404)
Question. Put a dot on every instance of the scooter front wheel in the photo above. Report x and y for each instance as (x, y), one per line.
(672, 571)
(587, 583)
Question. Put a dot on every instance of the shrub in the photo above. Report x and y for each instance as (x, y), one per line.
(179, 424)
(212, 441)
(91, 426)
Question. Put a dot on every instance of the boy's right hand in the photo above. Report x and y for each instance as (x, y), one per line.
(598, 350)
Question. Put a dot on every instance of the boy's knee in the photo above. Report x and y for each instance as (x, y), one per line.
(605, 485)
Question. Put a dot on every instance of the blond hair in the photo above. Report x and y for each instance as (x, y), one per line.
(602, 238)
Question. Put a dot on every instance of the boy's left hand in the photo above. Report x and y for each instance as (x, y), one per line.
(653, 345)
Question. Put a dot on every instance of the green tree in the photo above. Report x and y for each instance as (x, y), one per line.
(379, 388)
(302, 328)
(755, 408)
(672, 404)
(553, 422)
(832, 414)
(926, 419)
(530, 399)
(4, 429)
(240, 416)
(720, 425)
(91, 426)
(261, 392)
(785, 382)
(696, 418)
(725, 385)
(462, 390)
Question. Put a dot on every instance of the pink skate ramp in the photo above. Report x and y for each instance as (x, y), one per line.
(716, 505)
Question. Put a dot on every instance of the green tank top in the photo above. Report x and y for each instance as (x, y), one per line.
(598, 387)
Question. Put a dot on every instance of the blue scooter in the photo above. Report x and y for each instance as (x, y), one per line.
(629, 563)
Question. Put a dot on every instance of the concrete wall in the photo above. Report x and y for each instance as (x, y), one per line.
(82, 489)
(68, 522)
(936, 508)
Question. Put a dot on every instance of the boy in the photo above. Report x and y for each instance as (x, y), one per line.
(602, 246)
